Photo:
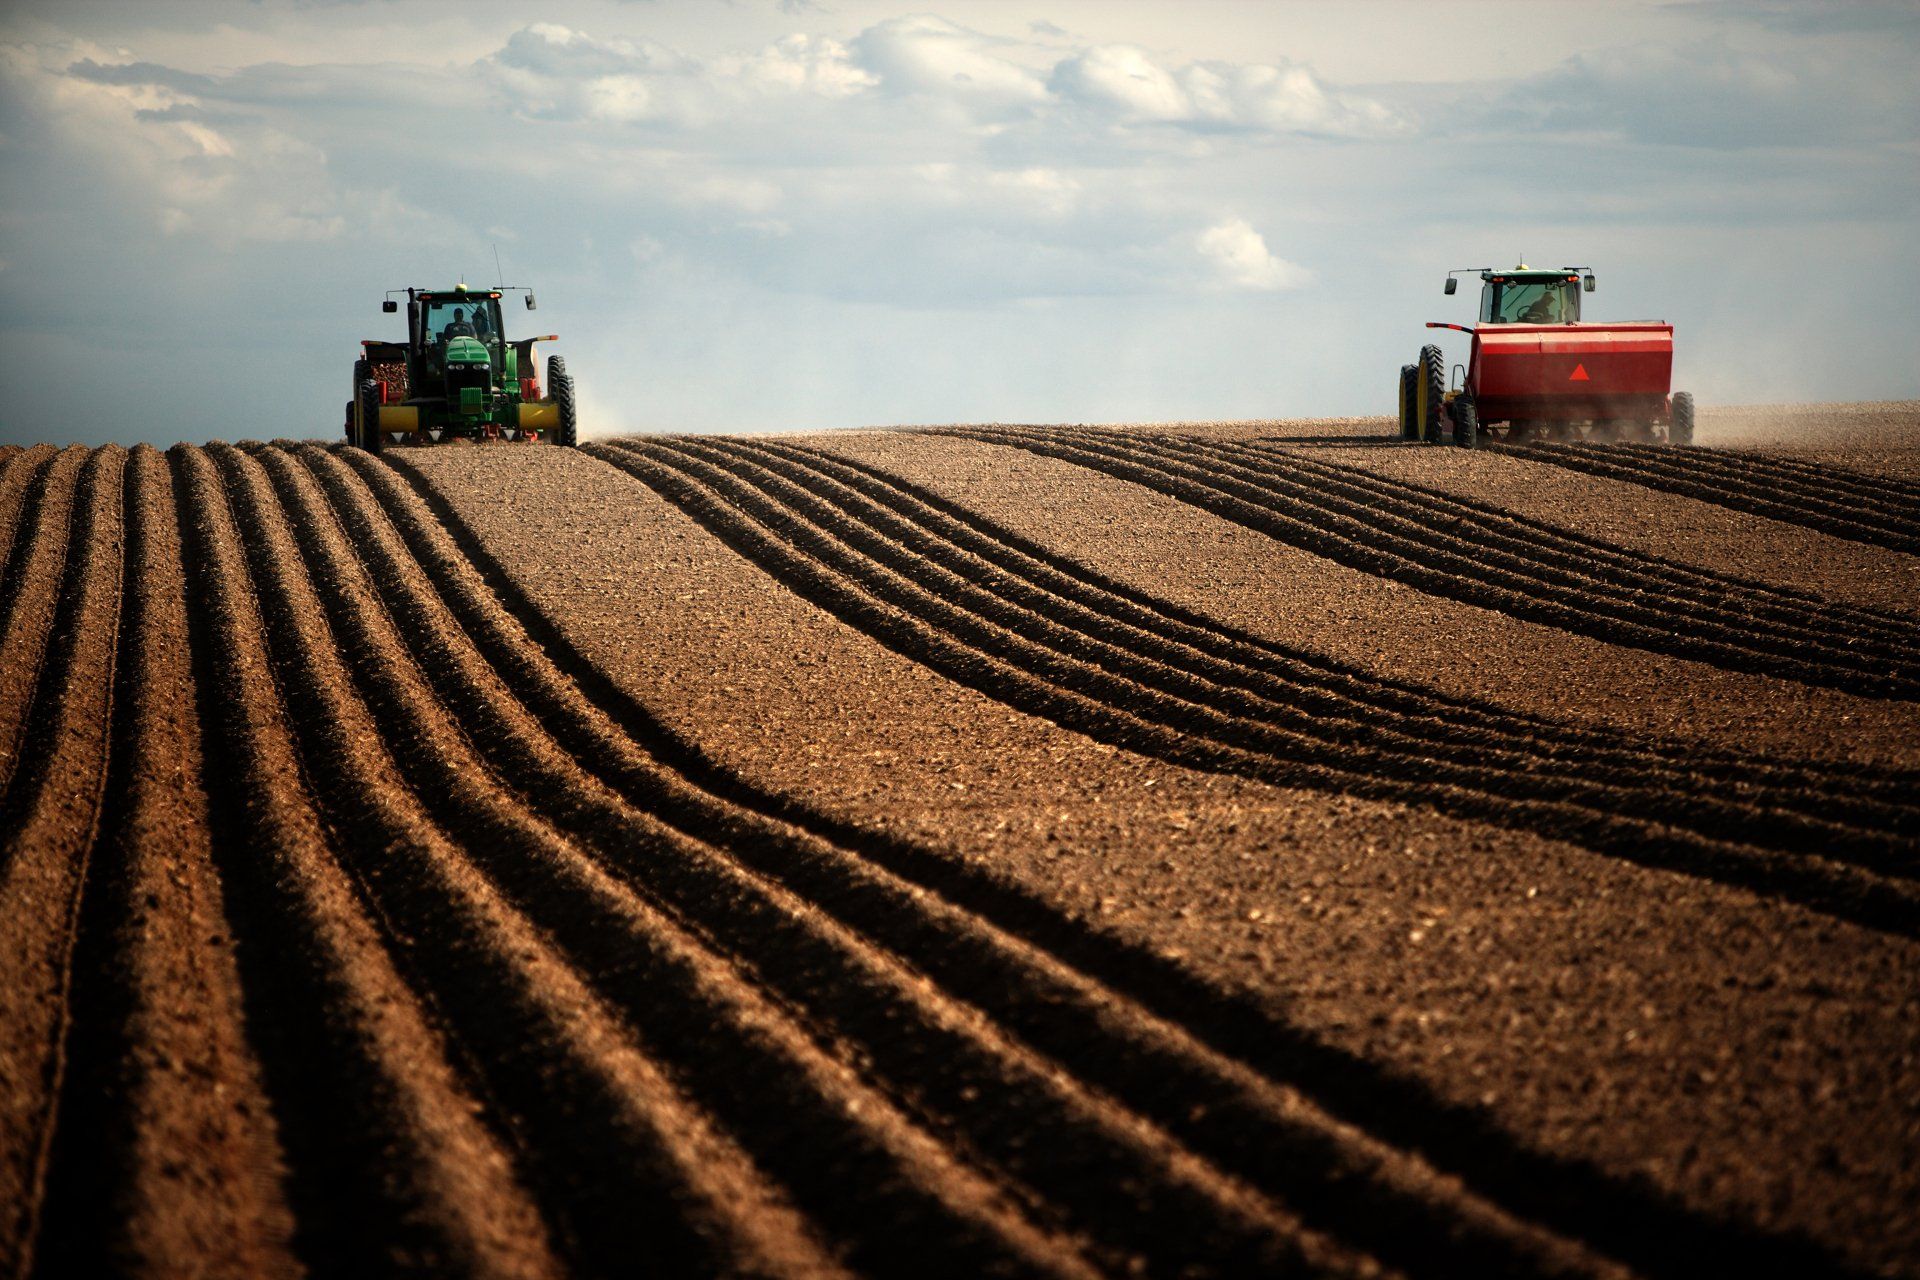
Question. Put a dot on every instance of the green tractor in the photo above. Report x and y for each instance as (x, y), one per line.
(457, 377)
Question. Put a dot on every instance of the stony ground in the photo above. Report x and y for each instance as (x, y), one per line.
(1202, 849)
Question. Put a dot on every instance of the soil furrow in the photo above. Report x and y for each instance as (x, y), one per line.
(1591, 563)
(621, 1157)
(949, 1077)
(167, 1160)
(1829, 490)
(1531, 556)
(967, 959)
(1182, 731)
(1346, 539)
(1890, 492)
(1319, 683)
(47, 820)
(1038, 1125)
(1747, 492)
(30, 596)
(391, 1168)
(696, 888)
(1277, 753)
(1245, 691)
(795, 1110)
(22, 473)
(1543, 560)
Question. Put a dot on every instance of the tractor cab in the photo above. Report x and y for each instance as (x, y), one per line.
(460, 314)
(1527, 296)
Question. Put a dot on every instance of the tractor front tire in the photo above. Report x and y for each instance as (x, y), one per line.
(1680, 429)
(1466, 421)
(371, 437)
(560, 387)
(1408, 429)
(1431, 382)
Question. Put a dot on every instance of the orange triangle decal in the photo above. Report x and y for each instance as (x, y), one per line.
(1579, 374)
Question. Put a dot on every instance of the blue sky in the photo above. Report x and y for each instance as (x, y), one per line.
(777, 214)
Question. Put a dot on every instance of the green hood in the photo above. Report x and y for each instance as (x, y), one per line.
(465, 350)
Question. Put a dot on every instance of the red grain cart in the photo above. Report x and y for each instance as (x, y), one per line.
(1537, 370)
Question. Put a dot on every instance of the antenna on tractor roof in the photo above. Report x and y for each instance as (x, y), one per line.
(498, 274)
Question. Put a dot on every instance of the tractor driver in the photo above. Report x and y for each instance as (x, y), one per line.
(1545, 308)
(457, 327)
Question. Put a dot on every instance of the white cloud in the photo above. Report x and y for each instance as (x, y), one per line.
(813, 64)
(551, 72)
(1239, 259)
(1127, 85)
(933, 57)
(146, 131)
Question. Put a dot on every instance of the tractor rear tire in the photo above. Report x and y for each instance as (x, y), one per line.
(371, 437)
(1466, 422)
(1680, 429)
(362, 370)
(1431, 382)
(1408, 430)
(560, 387)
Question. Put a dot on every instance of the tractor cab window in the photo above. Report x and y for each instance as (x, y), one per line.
(461, 318)
(1529, 301)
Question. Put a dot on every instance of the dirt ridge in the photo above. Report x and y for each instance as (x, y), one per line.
(1295, 694)
(156, 1000)
(896, 903)
(49, 813)
(390, 1166)
(360, 923)
(1402, 550)
(1880, 510)
(1058, 684)
(1553, 1191)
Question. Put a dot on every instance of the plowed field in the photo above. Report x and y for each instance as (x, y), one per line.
(1204, 850)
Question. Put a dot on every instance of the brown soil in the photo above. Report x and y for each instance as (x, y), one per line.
(1221, 849)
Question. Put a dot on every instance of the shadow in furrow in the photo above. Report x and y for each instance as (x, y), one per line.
(1358, 736)
(610, 1150)
(351, 1130)
(90, 1188)
(1318, 685)
(1375, 539)
(1828, 500)
(812, 1131)
(19, 534)
(1101, 1167)
(1061, 689)
(1627, 1219)
(1588, 563)
(48, 817)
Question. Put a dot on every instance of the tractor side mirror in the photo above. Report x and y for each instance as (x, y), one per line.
(1452, 284)
(531, 304)
(1586, 282)
(389, 306)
